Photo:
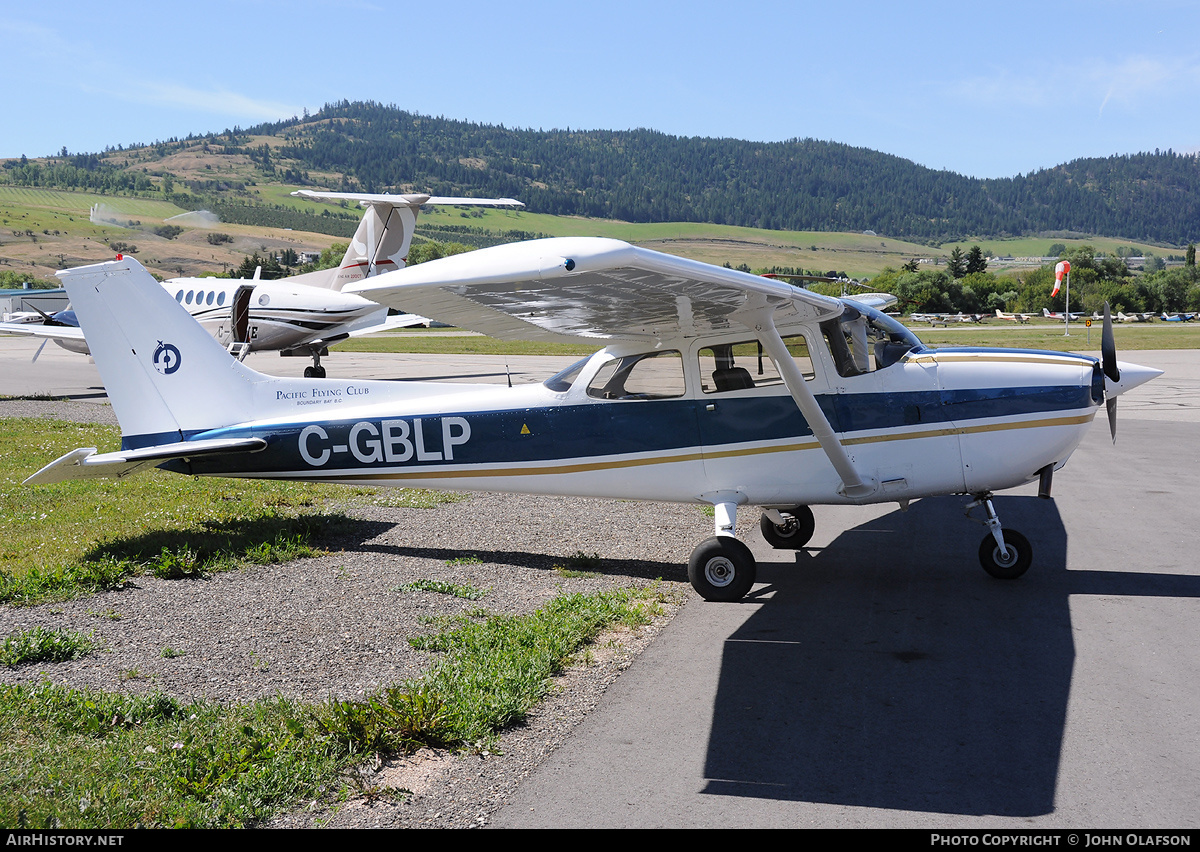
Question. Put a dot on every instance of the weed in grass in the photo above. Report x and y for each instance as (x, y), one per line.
(465, 591)
(580, 566)
(39, 645)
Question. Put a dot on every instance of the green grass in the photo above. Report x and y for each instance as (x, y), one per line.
(1049, 335)
(79, 537)
(1001, 333)
(89, 759)
(40, 645)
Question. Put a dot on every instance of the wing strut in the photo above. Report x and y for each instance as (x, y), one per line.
(853, 484)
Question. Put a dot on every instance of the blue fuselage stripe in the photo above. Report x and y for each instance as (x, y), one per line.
(617, 428)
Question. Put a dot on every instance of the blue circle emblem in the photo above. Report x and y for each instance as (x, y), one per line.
(166, 358)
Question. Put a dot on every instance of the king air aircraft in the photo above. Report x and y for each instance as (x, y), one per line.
(302, 315)
(713, 387)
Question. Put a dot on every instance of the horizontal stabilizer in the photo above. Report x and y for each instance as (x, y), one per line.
(85, 463)
(407, 200)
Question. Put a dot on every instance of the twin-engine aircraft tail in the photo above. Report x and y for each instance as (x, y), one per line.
(167, 378)
(384, 236)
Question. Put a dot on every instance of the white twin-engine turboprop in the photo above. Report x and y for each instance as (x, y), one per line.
(714, 386)
(302, 315)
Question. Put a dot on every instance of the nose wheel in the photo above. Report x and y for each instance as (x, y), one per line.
(1009, 563)
(1004, 554)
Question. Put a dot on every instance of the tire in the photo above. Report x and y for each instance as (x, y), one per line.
(1020, 555)
(721, 569)
(794, 534)
(309, 373)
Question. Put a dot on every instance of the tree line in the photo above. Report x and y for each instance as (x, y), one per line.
(1095, 279)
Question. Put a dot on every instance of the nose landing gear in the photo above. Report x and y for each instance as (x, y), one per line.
(1005, 555)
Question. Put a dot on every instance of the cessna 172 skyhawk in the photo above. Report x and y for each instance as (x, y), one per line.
(714, 386)
(301, 315)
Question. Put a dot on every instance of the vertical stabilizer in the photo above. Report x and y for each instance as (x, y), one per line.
(385, 233)
(167, 377)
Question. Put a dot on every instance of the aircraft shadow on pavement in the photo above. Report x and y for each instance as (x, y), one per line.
(889, 671)
(634, 568)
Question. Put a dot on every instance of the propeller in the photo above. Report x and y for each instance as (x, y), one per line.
(1108, 362)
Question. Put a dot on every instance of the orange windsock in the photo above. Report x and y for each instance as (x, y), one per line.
(1061, 268)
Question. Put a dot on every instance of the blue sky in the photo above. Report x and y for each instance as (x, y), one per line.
(985, 90)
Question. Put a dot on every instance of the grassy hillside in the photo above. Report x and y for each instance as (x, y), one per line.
(48, 229)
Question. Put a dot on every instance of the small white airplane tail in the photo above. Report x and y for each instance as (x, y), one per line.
(385, 233)
(166, 376)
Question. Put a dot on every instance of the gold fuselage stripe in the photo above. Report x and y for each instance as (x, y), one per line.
(585, 467)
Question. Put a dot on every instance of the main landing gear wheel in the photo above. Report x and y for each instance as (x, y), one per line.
(1010, 564)
(721, 569)
(794, 534)
(314, 372)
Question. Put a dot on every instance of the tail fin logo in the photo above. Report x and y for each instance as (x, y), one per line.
(166, 358)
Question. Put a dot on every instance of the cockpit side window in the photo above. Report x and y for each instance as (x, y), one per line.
(735, 366)
(652, 375)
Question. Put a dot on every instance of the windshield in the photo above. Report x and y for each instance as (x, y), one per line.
(561, 381)
(863, 339)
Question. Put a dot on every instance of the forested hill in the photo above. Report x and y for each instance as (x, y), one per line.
(644, 176)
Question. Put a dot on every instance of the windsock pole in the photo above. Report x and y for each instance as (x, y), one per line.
(1062, 270)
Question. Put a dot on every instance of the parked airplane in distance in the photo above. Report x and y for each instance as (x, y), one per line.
(1058, 315)
(1138, 317)
(1021, 318)
(304, 314)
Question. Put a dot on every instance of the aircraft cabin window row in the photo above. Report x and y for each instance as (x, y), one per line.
(737, 366)
(206, 297)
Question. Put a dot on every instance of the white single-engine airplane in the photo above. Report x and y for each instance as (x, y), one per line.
(302, 315)
(714, 386)
(1049, 314)
(1021, 318)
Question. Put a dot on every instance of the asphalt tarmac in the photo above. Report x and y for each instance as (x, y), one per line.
(878, 678)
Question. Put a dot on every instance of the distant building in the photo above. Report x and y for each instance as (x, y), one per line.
(18, 301)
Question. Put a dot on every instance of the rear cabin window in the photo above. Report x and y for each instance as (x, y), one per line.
(653, 375)
(737, 366)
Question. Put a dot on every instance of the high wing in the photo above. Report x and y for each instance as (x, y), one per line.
(564, 288)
